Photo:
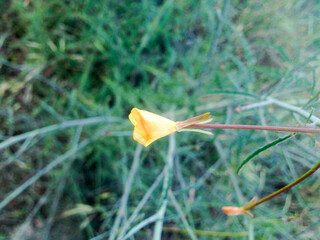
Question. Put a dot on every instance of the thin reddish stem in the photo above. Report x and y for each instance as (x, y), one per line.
(257, 127)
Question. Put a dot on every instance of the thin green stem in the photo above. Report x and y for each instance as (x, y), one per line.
(300, 179)
(291, 108)
(127, 188)
(141, 204)
(257, 127)
(182, 216)
(166, 186)
(295, 109)
(142, 224)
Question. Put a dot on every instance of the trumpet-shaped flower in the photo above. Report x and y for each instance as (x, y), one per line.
(234, 211)
(149, 127)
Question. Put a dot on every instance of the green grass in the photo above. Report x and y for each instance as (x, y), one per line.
(68, 62)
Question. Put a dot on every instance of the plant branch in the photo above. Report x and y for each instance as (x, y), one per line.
(300, 179)
(257, 127)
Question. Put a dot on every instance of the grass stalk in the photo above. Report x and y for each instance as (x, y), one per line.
(60, 188)
(68, 124)
(166, 186)
(140, 205)
(295, 109)
(287, 106)
(73, 150)
(127, 188)
(25, 227)
(142, 224)
(181, 215)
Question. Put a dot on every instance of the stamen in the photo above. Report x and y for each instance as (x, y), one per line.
(206, 121)
(197, 117)
(201, 119)
(252, 201)
(196, 130)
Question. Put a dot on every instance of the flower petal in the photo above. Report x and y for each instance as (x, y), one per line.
(234, 211)
(149, 126)
(133, 116)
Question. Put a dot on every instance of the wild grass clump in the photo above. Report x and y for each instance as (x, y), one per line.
(70, 73)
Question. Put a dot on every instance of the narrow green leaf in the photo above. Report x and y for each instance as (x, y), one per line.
(260, 150)
(315, 97)
(269, 145)
(308, 119)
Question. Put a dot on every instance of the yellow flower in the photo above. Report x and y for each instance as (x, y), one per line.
(149, 127)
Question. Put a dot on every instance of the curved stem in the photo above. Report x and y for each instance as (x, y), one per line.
(257, 127)
(304, 176)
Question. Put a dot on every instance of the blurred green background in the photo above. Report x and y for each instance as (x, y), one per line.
(71, 71)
